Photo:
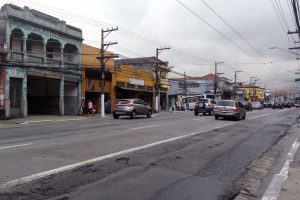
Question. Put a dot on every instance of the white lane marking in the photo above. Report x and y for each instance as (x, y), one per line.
(93, 125)
(274, 188)
(137, 128)
(260, 116)
(40, 121)
(14, 146)
(29, 178)
(64, 120)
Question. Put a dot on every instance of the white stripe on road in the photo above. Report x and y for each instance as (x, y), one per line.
(14, 146)
(27, 179)
(40, 121)
(64, 120)
(273, 190)
(137, 128)
(93, 125)
(260, 116)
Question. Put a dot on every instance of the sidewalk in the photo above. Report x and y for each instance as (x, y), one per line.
(291, 187)
(35, 119)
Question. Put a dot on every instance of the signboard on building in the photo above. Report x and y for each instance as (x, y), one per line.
(135, 81)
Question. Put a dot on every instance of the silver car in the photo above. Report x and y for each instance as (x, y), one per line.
(230, 109)
(132, 108)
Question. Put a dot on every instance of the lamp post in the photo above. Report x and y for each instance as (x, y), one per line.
(250, 87)
(284, 50)
(235, 86)
(254, 85)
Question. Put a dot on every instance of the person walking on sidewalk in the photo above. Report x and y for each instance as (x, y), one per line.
(90, 107)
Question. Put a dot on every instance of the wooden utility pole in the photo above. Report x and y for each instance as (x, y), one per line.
(103, 59)
(157, 76)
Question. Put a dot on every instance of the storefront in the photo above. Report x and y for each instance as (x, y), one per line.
(127, 82)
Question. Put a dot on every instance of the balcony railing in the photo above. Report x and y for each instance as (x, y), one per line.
(35, 60)
(52, 63)
(71, 65)
(16, 56)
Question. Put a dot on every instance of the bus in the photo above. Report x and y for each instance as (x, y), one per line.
(297, 102)
(189, 102)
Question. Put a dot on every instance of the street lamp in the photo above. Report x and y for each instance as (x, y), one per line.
(254, 85)
(235, 86)
(284, 50)
(250, 89)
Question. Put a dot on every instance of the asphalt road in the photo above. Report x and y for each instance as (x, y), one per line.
(202, 164)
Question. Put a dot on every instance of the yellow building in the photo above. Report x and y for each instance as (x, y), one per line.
(122, 80)
(129, 82)
(253, 93)
(91, 75)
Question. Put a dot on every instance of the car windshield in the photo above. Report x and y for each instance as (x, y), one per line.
(225, 103)
(122, 102)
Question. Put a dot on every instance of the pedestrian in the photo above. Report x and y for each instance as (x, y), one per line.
(90, 107)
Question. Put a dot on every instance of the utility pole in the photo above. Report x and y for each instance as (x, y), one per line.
(157, 76)
(185, 87)
(235, 85)
(250, 87)
(216, 77)
(102, 58)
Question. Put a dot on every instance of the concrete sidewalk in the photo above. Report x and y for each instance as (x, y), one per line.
(35, 119)
(291, 187)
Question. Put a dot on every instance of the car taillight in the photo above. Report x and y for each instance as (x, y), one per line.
(234, 109)
(129, 105)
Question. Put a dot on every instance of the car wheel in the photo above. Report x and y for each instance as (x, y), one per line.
(133, 115)
(204, 113)
(196, 113)
(116, 116)
(216, 117)
(244, 117)
(209, 113)
(149, 114)
(237, 118)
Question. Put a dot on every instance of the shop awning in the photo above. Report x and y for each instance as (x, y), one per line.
(133, 89)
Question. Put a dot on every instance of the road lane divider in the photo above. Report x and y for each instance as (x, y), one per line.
(93, 125)
(260, 116)
(44, 174)
(15, 146)
(143, 127)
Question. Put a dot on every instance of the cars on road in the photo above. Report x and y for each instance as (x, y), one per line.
(277, 105)
(204, 106)
(247, 105)
(132, 108)
(229, 109)
(257, 105)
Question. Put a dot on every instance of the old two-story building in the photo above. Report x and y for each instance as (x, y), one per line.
(42, 63)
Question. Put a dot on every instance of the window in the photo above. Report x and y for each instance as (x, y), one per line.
(225, 103)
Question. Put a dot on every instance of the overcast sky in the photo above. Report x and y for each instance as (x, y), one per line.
(195, 46)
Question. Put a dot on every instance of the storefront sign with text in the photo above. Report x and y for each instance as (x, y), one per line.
(135, 81)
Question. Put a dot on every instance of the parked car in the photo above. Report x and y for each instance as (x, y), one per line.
(257, 105)
(230, 109)
(204, 106)
(267, 104)
(287, 105)
(277, 105)
(247, 105)
(132, 108)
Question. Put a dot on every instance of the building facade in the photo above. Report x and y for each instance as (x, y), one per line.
(42, 63)
(252, 93)
(91, 75)
(190, 86)
(147, 65)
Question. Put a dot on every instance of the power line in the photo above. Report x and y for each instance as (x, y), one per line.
(219, 32)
